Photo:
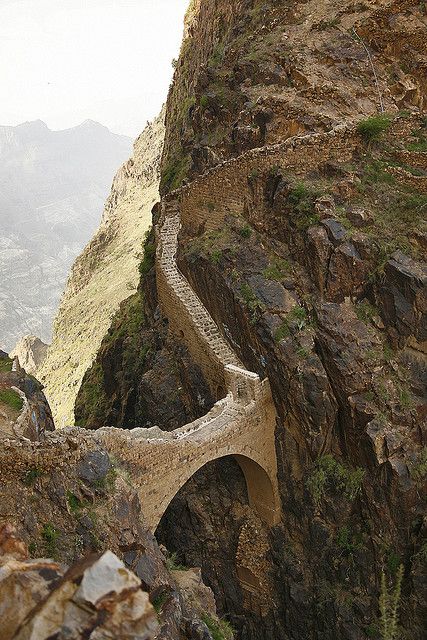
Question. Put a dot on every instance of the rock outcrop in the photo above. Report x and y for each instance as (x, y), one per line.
(31, 353)
(95, 598)
(24, 410)
(85, 514)
(103, 275)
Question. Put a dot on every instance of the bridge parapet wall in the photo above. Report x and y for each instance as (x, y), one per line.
(225, 189)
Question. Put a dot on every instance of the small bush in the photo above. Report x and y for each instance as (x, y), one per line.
(216, 256)
(204, 102)
(245, 231)
(159, 602)
(347, 541)
(373, 127)
(219, 629)
(73, 502)
(12, 399)
(50, 536)
(31, 476)
(296, 317)
(419, 469)
(365, 311)
(255, 305)
(302, 199)
(173, 564)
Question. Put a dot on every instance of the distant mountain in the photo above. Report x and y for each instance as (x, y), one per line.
(53, 185)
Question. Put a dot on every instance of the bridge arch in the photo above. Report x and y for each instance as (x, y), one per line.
(261, 489)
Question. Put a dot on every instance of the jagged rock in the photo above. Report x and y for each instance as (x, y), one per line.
(402, 298)
(96, 598)
(31, 352)
(94, 467)
(24, 410)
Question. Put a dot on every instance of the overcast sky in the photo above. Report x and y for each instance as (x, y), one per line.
(64, 61)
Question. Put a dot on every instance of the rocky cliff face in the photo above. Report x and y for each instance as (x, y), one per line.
(103, 275)
(312, 263)
(24, 411)
(53, 185)
(85, 514)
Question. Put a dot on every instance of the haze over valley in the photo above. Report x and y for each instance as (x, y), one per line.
(53, 185)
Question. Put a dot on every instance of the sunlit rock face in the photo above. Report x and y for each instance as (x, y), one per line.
(104, 274)
(53, 185)
(31, 352)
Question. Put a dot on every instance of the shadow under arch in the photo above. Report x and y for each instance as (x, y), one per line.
(262, 496)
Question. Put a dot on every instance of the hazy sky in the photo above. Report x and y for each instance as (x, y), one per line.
(63, 61)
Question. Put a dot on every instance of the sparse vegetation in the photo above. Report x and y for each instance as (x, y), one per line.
(365, 311)
(50, 537)
(331, 474)
(252, 302)
(373, 127)
(31, 476)
(302, 198)
(219, 629)
(73, 502)
(5, 365)
(348, 541)
(149, 256)
(389, 604)
(277, 270)
(245, 231)
(296, 319)
(159, 601)
(12, 399)
(419, 469)
(173, 564)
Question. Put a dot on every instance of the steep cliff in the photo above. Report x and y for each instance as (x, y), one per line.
(103, 275)
(309, 253)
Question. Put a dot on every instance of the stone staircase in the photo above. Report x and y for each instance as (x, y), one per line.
(197, 313)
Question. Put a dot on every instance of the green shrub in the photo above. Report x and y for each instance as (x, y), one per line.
(50, 536)
(204, 102)
(329, 473)
(175, 173)
(216, 256)
(347, 540)
(159, 601)
(255, 305)
(149, 256)
(302, 199)
(373, 127)
(173, 564)
(298, 317)
(219, 629)
(31, 476)
(73, 502)
(12, 399)
(245, 231)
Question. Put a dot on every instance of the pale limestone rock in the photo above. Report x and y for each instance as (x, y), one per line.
(97, 599)
(31, 352)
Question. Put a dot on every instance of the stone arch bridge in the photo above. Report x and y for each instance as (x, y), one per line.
(242, 424)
